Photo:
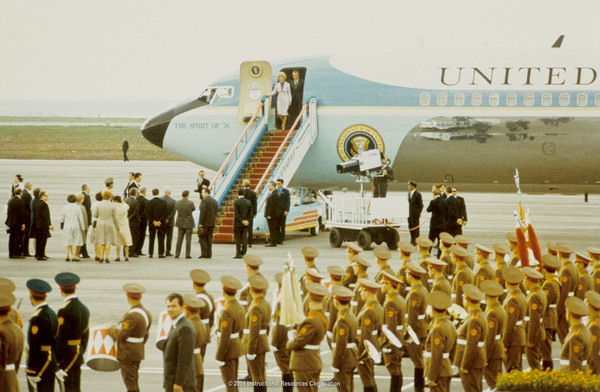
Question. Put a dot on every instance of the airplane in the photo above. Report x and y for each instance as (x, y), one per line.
(466, 119)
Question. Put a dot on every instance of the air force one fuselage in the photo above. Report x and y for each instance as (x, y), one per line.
(465, 120)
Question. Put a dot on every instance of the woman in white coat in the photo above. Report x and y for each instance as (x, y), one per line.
(124, 236)
(73, 226)
(107, 225)
(284, 97)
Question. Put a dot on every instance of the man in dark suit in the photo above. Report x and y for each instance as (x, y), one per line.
(415, 207)
(453, 226)
(250, 195)
(42, 225)
(16, 217)
(87, 204)
(178, 355)
(134, 217)
(208, 216)
(141, 234)
(156, 214)
(296, 88)
(271, 211)
(242, 213)
(26, 198)
(283, 208)
(170, 219)
(125, 149)
(462, 208)
(201, 183)
(380, 182)
(185, 224)
(437, 224)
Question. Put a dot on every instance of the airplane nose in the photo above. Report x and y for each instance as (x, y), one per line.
(154, 132)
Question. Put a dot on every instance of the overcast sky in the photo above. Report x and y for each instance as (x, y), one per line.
(146, 49)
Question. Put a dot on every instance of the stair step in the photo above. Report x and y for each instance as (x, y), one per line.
(223, 238)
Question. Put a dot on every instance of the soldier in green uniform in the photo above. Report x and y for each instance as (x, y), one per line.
(463, 274)
(470, 355)
(41, 338)
(131, 335)
(256, 330)
(406, 250)
(416, 303)
(512, 245)
(436, 274)
(495, 316)
(360, 271)
(534, 318)
(311, 276)
(592, 300)
(552, 249)
(310, 254)
(568, 278)
(446, 243)
(11, 346)
(439, 344)
(305, 346)
(370, 319)
(394, 318)
(515, 305)
(7, 285)
(500, 252)
(585, 279)
(352, 251)
(594, 254)
(279, 340)
(336, 274)
(382, 254)
(484, 271)
(424, 246)
(464, 242)
(73, 332)
(577, 346)
(192, 305)
(343, 348)
(207, 313)
(229, 329)
(551, 287)
(253, 264)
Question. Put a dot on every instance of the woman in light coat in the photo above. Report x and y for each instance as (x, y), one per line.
(284, 98)
(124, 236)
(73, 225)
(107, 225)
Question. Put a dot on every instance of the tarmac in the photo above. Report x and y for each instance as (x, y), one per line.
(555, 217)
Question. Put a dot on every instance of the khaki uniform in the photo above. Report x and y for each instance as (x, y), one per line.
(439, 344)
(596, 279)
(450, 268)
(442, 284)
(207, 314)
(568, 278)
(304, 279)
(484, 272)
(585, 283)
(394, 311)
(331, 313)
(552, 290)
(470, 350)
(370, 320)
(350, 279)
(514, 333)
(416, 304)
(426, 281)
(576, 348)
(131, 338)
(379, 278)
(11, 350)
(344, 350)
(201, 341)
(593, 326)
(229, 345)
(494, 347)
(245, 296)
(279, 341)
(463, 276)
(255, 341)
(357, 303)
(534, 326)
(500, 279)
(15, 317)
(403, 287)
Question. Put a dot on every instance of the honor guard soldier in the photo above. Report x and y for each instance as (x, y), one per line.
(336, 274)
(446, 242)
(41, 362)
(436, 273)
(11, 348)
(207, 313)
(500, 252)
(131, 336)
(577, 346)
(592, 299)
(416, 303)
(370, 319)
(310, 254)
(585, 279)
(594, 254)
(534, 318)
(406, 250)
(484, 271)
(192, 306)
(73, 332)
(515, 305)
(552, 249)
(394, 318)
(512, 245)
(495, 316)
(463, 274)
(7, 285)
(464, 242)
(551, 287)
(310, 276)
(306, 343)
(361, 266)
(424, 247)
(256, 330)
(279, 339)
(470, 345)
(253, 263)
(350, 279)
(568, 278)
(439, 344)
(229, 328)
(382, 255)
(343, 348)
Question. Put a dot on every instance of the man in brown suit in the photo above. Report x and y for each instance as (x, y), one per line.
(131, 336)
(192, 306)
(496, 321)
(439, 344)
(344, 360)
(11, 350)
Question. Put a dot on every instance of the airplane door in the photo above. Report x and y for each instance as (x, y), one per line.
(255, 81)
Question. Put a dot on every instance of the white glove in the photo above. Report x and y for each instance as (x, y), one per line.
(330, 335)
(61, 374)
(274, 349)
(291, 334)
(221, 364)
(386, 350)
(251, 357)
(334, 370)
(33, 380)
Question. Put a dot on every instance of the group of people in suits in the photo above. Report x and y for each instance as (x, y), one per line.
(448, 212)
(289, 97)
(276, 211)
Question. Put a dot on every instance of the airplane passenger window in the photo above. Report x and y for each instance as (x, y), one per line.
(459, 99)
(529, 99)
(564, 99)
(582, 99)
(494, 99)
(597, 99)
(425, 99)
(511, 99)
(476, 99)
(547, 99)
(442, 99)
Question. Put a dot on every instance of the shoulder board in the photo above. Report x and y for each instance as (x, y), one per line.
(65, 304)
(37, 313)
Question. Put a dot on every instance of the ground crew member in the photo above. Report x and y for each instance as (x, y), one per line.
(370, 319)
(131, 335)
(406, 250)
(382, 255)
(8, 285)
(551, 287)
(416, 303)
(568, 279)
(73, 332)
(343, 348)
(594, 254)
(305, 346)
(439, 344)
(534, 323)
(464, 242)
(470, 355)
(424, 248)
(484, 271)
(593, 324)
(446, 242)
(496, 321)
(394, 311)
(229, 328)
(436, 273)
(279, 340)
(207, 313)
(360, 271)
(500, 252)
(192, 306)
(515, 305)
(585, 279)
(41, 362)
(336, 274)
(463, 274)
(350, 279)
(577, 346)
(256, 330)
(11, 349)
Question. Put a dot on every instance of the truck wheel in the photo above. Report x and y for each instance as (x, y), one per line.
(335, 238)
(364, 239)
(393, 238)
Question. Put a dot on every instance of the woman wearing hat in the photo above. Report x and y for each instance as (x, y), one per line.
(284, 98)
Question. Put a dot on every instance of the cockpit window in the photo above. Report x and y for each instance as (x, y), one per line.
(216, 94)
